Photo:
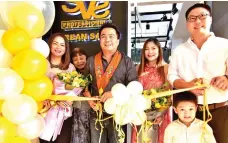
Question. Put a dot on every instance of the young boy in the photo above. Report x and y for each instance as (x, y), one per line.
(187, 129)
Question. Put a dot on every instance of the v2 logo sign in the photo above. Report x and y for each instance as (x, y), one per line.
(88, 10)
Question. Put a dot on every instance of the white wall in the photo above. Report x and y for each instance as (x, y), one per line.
(220, 18)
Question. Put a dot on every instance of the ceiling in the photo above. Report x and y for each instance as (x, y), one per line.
(151, 19)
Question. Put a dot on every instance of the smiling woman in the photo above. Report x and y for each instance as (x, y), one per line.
(152, 74)
(60, 51)
(81, 115)
(59, 60)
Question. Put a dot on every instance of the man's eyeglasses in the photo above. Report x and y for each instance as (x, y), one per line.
(194, 18)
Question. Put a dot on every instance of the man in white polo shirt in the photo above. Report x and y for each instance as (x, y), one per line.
(204, 57)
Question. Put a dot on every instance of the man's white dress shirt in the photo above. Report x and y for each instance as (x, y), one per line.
(188, 62)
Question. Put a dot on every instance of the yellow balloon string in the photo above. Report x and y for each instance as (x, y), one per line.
(148, 125)
(138, 133)
(106, 118)
(144, 129)
(205, 121)
(99, 114)
(120, 133)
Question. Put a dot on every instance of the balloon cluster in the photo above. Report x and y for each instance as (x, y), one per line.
(128, 104)
(23, 65)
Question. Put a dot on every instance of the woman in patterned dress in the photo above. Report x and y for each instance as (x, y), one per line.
(152, 73)
(81, 114)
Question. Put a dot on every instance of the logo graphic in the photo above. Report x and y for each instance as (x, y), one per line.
(91, 14)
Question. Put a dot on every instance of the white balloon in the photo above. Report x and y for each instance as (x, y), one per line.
(48, 10)
(135, 88)
(122, 115)
(110, 106)
(5, 57)
(19, 110)
(120, 94)
(40, 46)
(138, 118)
(138, 103)
(10, 83)
(46, 7)
(33, 128)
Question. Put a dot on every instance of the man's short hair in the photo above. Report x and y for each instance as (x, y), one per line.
(197, 5)
(110, 25)
(183, 97)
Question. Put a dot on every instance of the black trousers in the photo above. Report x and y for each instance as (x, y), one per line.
(109, 134)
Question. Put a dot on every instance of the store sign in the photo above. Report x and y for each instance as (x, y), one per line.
(95, 10)
(80, 22)
(89, 16)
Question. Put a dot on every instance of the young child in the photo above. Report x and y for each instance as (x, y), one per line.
(187, 129)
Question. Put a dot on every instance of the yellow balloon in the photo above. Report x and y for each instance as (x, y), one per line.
(7, 128)
(15, 40)
(39, 89)
(17, 140)
(40, 106)
(29, 64)
(1, 33)
(20, 109)
(1, 102)
(28, 18)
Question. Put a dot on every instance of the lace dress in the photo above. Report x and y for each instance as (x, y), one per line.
(81, 125)
(154, 77)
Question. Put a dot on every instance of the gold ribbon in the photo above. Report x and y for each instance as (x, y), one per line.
(55, 98)
(156, 95)
(71, 98)
(43, 112)
(171, 92)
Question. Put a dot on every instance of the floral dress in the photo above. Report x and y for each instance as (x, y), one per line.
(81, 125)
(154, 77)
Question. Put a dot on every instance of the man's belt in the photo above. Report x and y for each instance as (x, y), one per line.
(215, 105)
